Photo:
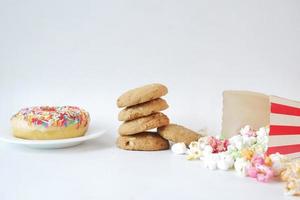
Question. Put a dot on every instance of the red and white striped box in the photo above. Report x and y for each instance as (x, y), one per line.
(281, 115)
(284, 136)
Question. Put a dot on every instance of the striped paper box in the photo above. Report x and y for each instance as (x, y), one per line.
(284, 134)
(282, 115)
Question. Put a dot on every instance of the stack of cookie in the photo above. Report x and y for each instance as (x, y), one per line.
(141, 113)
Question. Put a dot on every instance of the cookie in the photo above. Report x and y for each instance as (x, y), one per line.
(143, 124)
(141, 95)
(177, 133)
(146, 141)
(143, 109)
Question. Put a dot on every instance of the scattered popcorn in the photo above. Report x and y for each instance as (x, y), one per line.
(217, 145)
(268, 161)
(210, 161)
(292, 187)
(194, 152)
(292, 171)
(248, 141)
(291, 174)
(259, 148)
(278, 163)
(262, 135)
(257, 160)
(245, 130)
(236, 142)
(241, 166)
(194, 147)
(203, 141)
(225, 161)
(207, 150)
(265, 173)
(194, 156)
(260, 169)
(246, 154)
(179, 148)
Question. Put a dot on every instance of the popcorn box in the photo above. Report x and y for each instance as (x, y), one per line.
(281, 115)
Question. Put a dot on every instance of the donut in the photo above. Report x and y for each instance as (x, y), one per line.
(50, 122)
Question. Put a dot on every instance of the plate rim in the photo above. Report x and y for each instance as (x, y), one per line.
(92, 135)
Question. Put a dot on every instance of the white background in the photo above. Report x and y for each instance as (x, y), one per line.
(87, 53)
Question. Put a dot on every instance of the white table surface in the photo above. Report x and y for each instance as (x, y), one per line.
(87, 53)
(98, 170)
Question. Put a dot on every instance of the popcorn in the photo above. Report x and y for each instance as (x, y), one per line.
(179, 148)
(207, 150)
(262, 173)
(236, 142)
(194, 156)
(262, 135)
(268, 161)
(210, 161)
(251, 172)
(292, 187)
(225, 161)
(249, 140)
(278, 163)
(265, 173)
(241, 166)
(259, 169)
(245, 153)
(292, 171)
(245, 130)
(194, 151)
(292, 177)
(262, 139)
(194, 147)
(234, 153)
(218, 145)
(203, 141)
(257, 160)
(259, 148)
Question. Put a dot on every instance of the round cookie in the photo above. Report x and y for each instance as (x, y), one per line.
(143, 124)
(141, 95)
(146, 141)
(143, 109)
(177, 133)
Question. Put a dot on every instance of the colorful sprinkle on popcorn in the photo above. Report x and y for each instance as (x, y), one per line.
(291, 175)
(246, 154)
(50, 116)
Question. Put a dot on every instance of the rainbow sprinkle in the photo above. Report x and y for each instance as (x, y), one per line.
(54, 116)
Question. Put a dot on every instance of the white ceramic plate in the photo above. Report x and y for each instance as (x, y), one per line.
(92, 133)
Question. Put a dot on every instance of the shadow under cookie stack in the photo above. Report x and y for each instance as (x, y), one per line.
(141, 113)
